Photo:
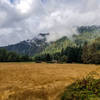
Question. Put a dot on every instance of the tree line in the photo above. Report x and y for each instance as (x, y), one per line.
(68, 55)
(6, 56)
(87, 54)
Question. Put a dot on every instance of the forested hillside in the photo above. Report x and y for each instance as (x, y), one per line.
(89, 53)
(82, 48)
(86, 34)
(57, 46)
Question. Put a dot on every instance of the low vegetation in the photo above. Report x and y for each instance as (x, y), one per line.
(87, 88)
(6, 56)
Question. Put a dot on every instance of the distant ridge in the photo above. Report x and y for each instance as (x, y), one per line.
(39, 43)
(31, 46)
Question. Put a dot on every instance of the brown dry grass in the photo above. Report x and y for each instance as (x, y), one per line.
(31, 81)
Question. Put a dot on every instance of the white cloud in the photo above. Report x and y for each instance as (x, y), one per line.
(23, 19)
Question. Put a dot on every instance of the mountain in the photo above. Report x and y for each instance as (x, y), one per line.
(83, 29)
(30, 47)
(86, 34)
(39, 44)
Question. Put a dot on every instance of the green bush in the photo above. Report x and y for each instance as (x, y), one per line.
(86, 89)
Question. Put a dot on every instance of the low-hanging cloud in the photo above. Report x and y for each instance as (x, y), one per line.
(23, 19)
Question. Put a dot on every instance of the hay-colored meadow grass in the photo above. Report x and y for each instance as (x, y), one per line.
(31, 81)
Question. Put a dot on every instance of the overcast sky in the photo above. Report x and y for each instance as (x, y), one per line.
(24, 19)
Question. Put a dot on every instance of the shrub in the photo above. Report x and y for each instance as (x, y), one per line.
(87, 88)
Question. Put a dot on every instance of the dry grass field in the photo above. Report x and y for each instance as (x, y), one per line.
(31, 81)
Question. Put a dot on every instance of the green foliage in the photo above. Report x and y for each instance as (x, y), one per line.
(86, 34)
(73, 54)
(6, 56)
(70, 54)
(56, 47)
(91, 52)
(43, 58)
(3, 55)
(63, 59)
(86, 89)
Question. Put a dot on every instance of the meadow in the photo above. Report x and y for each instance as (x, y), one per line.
(32, 81)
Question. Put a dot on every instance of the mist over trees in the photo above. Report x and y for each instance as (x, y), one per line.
(89, 53)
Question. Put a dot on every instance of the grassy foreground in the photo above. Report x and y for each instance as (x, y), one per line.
(31, 81)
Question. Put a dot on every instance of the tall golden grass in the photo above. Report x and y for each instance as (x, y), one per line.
(31, 81)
